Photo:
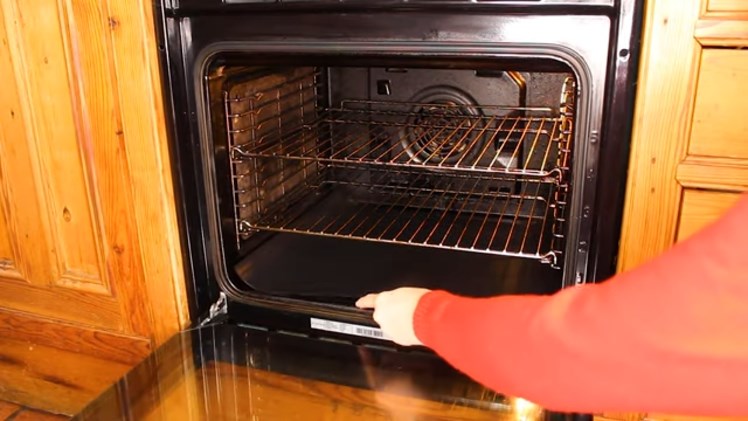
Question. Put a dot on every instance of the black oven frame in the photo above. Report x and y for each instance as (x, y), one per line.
(190, 32)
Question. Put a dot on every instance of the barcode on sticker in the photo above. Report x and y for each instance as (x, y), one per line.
(347, 328)
(365, 331)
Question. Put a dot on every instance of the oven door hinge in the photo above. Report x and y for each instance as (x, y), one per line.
(217, 309)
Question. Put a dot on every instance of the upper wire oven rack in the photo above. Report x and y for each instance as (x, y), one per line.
(486, 139)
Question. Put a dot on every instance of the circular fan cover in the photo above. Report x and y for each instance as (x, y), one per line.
(442, 127)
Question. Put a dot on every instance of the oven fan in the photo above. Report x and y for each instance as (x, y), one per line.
(442, 127)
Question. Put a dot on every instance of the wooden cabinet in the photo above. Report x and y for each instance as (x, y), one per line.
(689, 155)
(89, 249)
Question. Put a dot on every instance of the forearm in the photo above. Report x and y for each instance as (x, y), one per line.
(669, 336)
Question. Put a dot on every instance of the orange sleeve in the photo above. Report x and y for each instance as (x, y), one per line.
(670, 336)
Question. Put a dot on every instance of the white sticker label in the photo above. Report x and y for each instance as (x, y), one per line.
(347, 328)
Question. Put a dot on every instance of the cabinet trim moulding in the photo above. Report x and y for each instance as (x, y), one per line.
(662, 122)
(720, 30)
(726, 174)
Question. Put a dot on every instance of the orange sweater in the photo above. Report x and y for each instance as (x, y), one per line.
(670, 336)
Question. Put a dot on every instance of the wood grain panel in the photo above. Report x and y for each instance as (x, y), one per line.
(23, 193)
(64, 304)
(98, 99)
(700, 208)
(43, 73)
(48, 332)
(662, 119)
(714, 173)
(76, 167)
(727, 6)
(85, 191)
(134, 46)
(18, 198)
(7, 255)
(719, 123)
(64, 386)
(97, 120)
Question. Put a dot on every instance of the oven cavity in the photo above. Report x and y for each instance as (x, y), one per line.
(451, 159)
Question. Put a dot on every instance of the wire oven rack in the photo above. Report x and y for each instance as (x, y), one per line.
(506, 216)
(486, 179)
(493, 139)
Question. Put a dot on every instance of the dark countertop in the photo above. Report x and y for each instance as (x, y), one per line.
(226, 372)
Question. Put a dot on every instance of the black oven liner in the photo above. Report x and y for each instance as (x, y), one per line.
(339, 271)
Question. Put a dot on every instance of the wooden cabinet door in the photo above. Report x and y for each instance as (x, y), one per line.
(88, 245)
(689, 143)
(689, 152)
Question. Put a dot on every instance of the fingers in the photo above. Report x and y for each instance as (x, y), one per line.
(367, 301)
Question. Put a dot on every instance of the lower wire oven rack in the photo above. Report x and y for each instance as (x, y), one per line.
(501, 216)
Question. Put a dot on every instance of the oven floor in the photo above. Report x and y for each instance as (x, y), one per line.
(339, 271)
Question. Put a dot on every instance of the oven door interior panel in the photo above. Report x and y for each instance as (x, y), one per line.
(342, 180)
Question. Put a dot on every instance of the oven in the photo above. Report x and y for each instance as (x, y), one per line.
(326, 149)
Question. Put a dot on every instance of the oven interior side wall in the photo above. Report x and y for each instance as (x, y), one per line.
(347, 115)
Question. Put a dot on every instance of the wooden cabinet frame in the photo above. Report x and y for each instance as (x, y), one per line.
(90, 255)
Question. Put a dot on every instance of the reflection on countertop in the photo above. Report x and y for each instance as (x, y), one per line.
(226, 372)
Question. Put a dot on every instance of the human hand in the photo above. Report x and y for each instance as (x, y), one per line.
(393, 312)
